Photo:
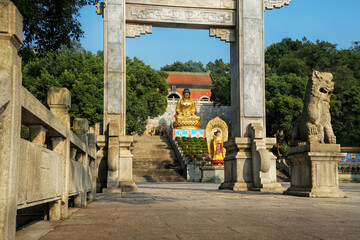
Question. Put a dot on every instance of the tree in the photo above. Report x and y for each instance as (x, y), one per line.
(146, 92)
(188, 66)
(220, 73)
(345, 112)
(48, 25)
(74, 68)
(284, 101)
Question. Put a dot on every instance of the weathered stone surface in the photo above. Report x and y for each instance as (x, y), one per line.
(59, 101)
(135, 30)
(81, 128)
(38, 134)
(40, 166)
(314, 171)
(263, 161)
(178, 15)
(223, 4)
(314, 124)
(270, 4)
(225, 34)
(212, 174)
(10, 115)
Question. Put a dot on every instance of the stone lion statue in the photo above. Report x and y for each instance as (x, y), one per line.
(314, 124)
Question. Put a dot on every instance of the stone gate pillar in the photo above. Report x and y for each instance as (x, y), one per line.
(248, 103)
(115, 97)
(115, 64)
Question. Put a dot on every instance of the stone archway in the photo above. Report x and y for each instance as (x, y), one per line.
(239, 22)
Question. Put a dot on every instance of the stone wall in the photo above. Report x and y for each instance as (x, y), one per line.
(206, 111)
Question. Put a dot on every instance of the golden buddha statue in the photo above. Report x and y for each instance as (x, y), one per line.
(186, 113)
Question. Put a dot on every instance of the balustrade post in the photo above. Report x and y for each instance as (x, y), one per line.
(38, 134)
(59, 101)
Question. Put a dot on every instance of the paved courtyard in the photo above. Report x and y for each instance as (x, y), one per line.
(200, 211)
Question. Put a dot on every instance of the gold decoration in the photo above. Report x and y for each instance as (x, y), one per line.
(216, 124)
(186, 113)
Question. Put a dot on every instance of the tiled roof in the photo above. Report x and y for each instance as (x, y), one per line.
(196, 94)
(181, 78)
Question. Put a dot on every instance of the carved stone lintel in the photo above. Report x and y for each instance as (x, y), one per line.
(179, 15)
(135, 30)
(225, 34)
(271, 4)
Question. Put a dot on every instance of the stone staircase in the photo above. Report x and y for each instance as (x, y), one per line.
(154, 160)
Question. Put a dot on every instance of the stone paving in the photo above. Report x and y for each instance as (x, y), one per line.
(200, 211)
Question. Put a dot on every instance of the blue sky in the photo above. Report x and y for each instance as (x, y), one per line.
(333, 21)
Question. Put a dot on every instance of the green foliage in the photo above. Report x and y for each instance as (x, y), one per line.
(345, 112)
(146, 92)
(288, 66)
(194, 147)
(188, 66)
(74, 68)
(48, 25)
(220, 73)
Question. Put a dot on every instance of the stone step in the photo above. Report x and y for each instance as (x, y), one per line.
(151, 139)
(152, 148)
(153, 164)
(154, 160)
(159, 175)
(158, 179)
(153, 154)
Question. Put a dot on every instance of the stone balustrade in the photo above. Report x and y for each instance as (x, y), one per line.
(53, 164)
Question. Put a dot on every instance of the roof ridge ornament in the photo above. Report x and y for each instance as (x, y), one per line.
(271, 4)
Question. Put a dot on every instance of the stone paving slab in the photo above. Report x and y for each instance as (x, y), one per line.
(200, 211)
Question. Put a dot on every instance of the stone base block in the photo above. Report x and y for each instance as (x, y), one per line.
(111, 190)
(321, 193)
(212, 174)
(270, 188)
(314, 171)
(236, 186)
(128, 186)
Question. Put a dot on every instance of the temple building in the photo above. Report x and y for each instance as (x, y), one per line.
(198, 82)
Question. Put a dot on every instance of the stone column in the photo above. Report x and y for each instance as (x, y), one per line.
(10, 115)
(115, 64)
(247, 94)
(247, 68)
(59, 100)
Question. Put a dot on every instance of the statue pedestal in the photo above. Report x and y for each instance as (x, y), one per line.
(237, 165)
(314, 171)
(212, 174)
